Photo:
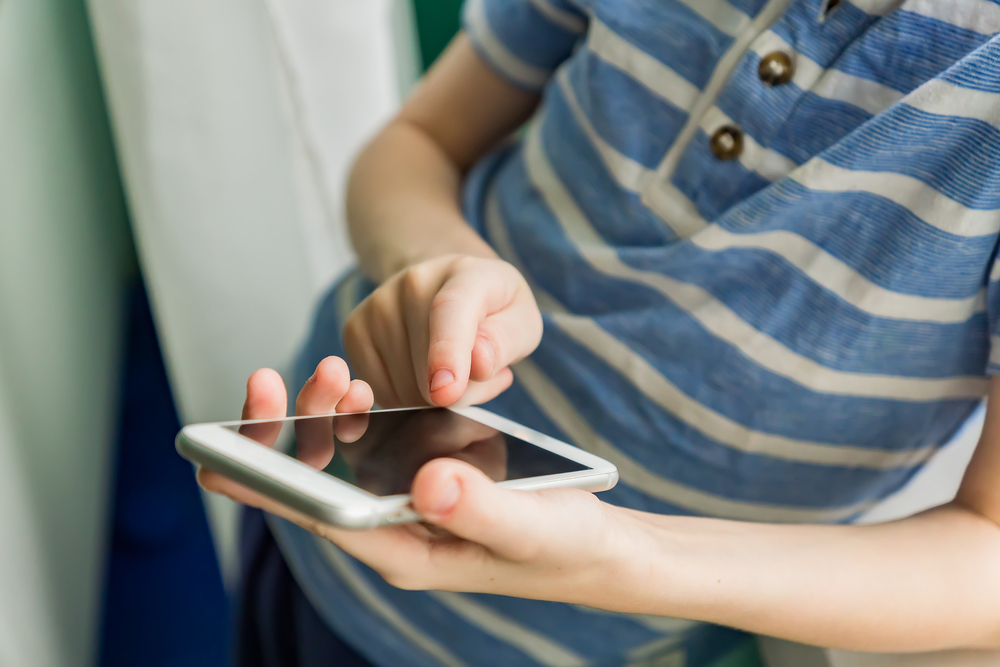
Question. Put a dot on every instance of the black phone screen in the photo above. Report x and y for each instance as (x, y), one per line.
(382, 451)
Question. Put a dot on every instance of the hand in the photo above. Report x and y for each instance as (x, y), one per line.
(443, 330)
(556, 544)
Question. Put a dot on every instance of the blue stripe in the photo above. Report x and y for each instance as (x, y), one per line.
(781, 302)
(713, 185)
(905, 49)
(463, 639)
(686, 353)
(528, 35)
(749, 7)
(677, 452)
(786, 305)
(626, 114)
(567, 625)
(959, 157)
(979, 70)
(617, 214)
(795, 123)
(824, 41)
(881, 240)
(681, 39)
(816, 124)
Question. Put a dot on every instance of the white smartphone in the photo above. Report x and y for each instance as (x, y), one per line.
(355, 470)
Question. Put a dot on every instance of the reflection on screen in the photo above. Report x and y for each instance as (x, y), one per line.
(381, 452)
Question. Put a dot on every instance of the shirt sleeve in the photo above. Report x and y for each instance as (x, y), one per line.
(524, 40)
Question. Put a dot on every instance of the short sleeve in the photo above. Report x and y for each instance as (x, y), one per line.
(524, 40)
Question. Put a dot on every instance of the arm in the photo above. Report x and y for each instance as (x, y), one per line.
(403, 194)
(449, 316)
(924, 583)
(928, 582)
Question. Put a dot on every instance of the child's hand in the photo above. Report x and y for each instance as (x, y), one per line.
(478, 536)
(443, 330)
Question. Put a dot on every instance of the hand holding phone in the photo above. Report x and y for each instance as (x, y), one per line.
(477, 535)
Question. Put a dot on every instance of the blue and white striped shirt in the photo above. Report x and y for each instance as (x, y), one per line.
(785, 335)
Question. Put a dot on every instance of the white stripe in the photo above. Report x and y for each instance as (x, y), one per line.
(542, 649)
(767, 163)
(658, 623)
(829, 83)
(922, 200)
(946, 99)
(876, 7)
(863, 93)
(555, 405)
(721, 14)
(976, 15)
(374, 601)
(995, 349)
(661, 652)
(839, 278)
(658, 389)
(644, 68)
(682, 217)
(504, 60)
(717, 426)
(562, 18)
(718, 319)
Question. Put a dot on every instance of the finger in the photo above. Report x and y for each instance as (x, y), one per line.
(506, 337)
(324, 390)
(515, 525)
(365, 358)
(351, 427)
(481, 392)
(460, 306)
(266, 399)
(359, 398)
(391, 338)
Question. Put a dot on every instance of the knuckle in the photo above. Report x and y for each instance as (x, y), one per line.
(403, 580)
(417, 280)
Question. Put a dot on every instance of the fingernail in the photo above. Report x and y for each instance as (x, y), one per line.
(442, 378)
(446, 500)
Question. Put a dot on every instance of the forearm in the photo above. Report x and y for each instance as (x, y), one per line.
(404, 191)
(928, 582)
(403, 204)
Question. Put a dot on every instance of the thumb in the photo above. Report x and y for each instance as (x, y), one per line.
(460, 498)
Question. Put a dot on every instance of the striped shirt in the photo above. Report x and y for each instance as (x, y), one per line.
(783, 335)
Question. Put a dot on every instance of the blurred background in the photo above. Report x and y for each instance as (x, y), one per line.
(171, 177)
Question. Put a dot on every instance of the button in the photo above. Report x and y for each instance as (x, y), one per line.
(727, 142)
(776, 68)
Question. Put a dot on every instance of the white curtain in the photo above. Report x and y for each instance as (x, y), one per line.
(64, 262)
(235, 122)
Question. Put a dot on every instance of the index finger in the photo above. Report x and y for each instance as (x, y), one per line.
(462, 303)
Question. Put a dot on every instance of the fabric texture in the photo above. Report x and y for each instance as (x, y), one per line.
(786, 336)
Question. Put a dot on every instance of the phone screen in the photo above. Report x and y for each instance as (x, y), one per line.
(381, 452)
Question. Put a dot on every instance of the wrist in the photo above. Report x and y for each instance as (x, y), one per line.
(458, 239)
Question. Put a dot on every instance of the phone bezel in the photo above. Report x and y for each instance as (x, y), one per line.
(275, 474)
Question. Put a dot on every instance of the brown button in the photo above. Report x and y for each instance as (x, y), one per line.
(776, 68)
(727, 142)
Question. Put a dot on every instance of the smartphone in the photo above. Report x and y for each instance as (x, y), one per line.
(355, 470)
